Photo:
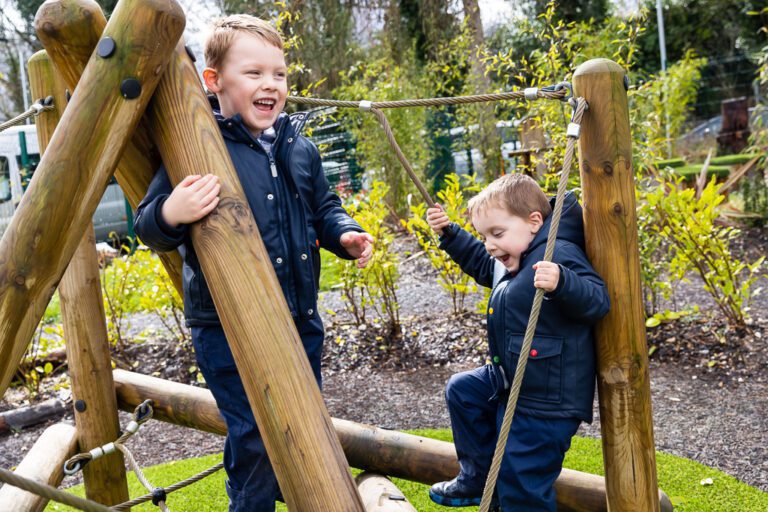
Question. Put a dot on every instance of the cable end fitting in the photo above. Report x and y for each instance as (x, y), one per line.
(158, 495)
(365, 105)
(573, 131)
(531, 93)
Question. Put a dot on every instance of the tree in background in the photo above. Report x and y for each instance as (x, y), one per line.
(721, 31)
(570, 10)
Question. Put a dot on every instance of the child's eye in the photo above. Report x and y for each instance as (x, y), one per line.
(497, 234)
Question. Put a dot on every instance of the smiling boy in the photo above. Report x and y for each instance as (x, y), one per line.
(512, 215)
(282, 177)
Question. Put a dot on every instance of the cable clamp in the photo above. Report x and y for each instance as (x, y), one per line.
(531, 93)
(573, 131)
(132, 427)
(365, 105)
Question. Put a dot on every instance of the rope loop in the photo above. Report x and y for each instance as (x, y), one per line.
(73, 467)
(143, 412)
(566, 86)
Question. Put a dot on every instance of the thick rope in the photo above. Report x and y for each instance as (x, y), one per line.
(34, 110)
(175, 487)
(50, 493)
(551, 93)
(522, 361)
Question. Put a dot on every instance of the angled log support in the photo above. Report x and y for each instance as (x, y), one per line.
(73, 174)
(610, 226)
(85, 330)
(43, 463)
(388, 452)
(286, 402)
(69, 31)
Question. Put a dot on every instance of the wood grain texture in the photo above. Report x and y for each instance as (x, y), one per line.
(70, 30)
(366, 447)
(610, 223)
(85, 329)
(43, 463)
(380, 494)
(73, 174)
(289, 410)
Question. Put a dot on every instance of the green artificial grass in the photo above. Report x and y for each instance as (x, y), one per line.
(691, 172)
(680, 478)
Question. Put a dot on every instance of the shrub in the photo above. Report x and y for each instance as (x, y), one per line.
(698, 243)
(376, 285)
(450, 275)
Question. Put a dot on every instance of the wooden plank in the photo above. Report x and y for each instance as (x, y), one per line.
(73, 174)
(278, 380)
(44, 463)
(735, 176)
(69, 31)
(610, 225)
(380, 494)
(85, 329)
(389, 452)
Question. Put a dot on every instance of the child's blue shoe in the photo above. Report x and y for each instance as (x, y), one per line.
(454, 494)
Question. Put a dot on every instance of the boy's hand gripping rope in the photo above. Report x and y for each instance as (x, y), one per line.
(34, 110)
(572, 132)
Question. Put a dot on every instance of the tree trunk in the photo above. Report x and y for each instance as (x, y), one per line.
(487, 137)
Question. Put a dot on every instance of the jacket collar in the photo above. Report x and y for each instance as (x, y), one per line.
(233, 128)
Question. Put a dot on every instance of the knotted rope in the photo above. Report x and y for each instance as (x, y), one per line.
(34, 110)
(573, 135)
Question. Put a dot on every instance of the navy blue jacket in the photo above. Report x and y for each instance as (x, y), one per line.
(295, 211)
(559, 379)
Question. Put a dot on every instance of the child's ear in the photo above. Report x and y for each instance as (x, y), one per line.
(536, 220)
(211, 79)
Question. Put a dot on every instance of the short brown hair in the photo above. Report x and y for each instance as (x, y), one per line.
(519, 194)
(224, 30)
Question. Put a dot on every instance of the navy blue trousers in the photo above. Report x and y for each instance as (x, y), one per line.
(251, 484)
(535, 448)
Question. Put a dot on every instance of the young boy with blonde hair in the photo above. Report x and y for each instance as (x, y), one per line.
(512, 215)
(282, 177)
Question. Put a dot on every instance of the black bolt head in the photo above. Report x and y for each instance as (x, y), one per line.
(80, 405)
(106, 47)
(130, 88)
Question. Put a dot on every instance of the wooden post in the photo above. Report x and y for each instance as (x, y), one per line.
(85, 330)
(610, 224)
(69, 31)
(73, 174)
(380, 494)
(286, 402)
(389, 452)
(44, 463)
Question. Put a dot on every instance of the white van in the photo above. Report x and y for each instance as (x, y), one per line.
(19, 156)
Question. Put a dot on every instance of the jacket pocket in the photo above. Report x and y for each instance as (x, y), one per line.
(543, 380)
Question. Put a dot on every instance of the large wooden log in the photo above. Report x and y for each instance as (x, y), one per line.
(380, 494)
(17, 419)
(278, 380)
(389, 452)
(85, 329)
(73, 174)
(610, 224)
(44, 463)
(69, 31)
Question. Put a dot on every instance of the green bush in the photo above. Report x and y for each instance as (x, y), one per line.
(687, 225)
(450, 275)
(376, 285)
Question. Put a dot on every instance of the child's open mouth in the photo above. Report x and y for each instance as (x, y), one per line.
(264, 105)
(504, 259)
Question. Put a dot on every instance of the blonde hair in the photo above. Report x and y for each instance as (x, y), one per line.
(519, 194)
(223, 33)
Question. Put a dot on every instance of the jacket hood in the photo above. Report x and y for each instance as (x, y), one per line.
(571, 226)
